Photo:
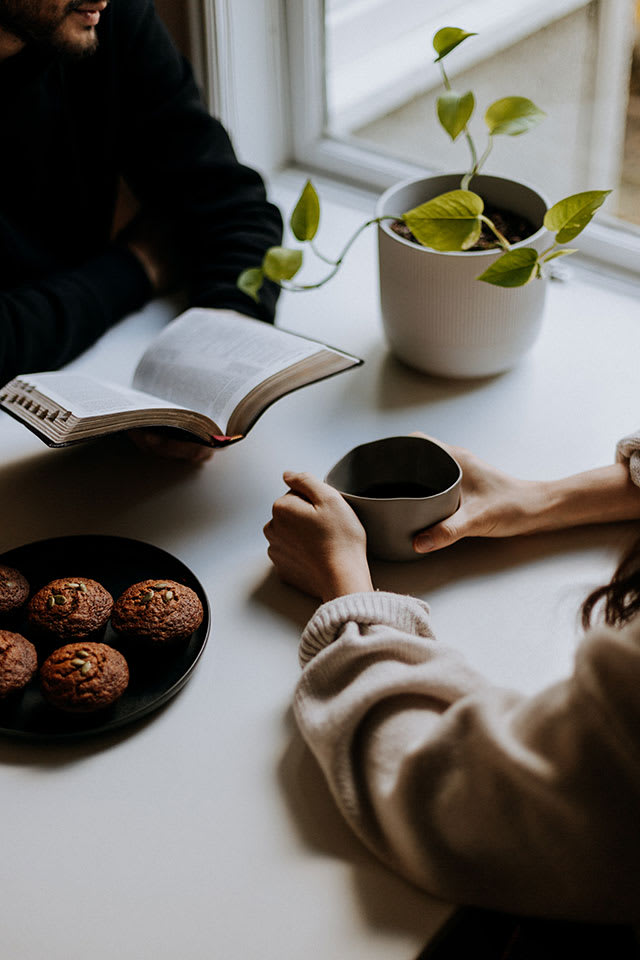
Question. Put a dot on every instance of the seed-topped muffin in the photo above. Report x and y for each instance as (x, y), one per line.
(70, 608)
(18, 662)
(83, 677)
(14, 590)
(157, 612)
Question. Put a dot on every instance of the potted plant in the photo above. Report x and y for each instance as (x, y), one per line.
(437, 238)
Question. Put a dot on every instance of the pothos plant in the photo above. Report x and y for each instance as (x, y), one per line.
(454, 220)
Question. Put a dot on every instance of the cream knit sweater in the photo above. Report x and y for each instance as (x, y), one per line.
(479, 794)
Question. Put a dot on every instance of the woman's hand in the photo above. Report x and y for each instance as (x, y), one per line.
(493, 504)
(316, 542)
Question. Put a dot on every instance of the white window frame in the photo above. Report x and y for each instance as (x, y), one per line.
(266, 82)
(239, 50)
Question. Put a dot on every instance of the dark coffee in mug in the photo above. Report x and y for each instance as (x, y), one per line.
(396, 489)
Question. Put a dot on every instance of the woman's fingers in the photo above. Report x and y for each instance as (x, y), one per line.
(307, 486)
(440, 535)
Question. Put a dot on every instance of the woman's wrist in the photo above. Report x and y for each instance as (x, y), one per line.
(604, 495)
(347, 577)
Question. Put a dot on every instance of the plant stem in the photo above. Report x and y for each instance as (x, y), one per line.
(474, 157)
(472, 147)
(483, 158)
(297, 287)
(445, 78)
(320, 256)
(550, 249)
(478, 164)
(504, 243)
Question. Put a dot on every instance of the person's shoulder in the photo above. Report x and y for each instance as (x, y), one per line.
(608, 667)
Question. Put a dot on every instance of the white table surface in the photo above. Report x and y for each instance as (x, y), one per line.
(206, 831)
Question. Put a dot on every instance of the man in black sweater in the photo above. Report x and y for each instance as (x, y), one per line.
(93, 91)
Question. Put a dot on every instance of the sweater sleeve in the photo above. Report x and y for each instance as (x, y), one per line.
(45, 324)
(180, 160)
(478, 794)
(628, 449)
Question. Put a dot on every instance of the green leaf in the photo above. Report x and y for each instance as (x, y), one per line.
(558, 253)
(448, 222)
(306, 214)
(454, 111)
(447, 39)
(280, 263)
(570, 216)
(513, 115)
(513, 269)
(250, 281)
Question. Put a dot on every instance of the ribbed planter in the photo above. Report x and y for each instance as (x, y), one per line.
(437, 317)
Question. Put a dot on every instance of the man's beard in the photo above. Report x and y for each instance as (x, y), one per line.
(22, 19)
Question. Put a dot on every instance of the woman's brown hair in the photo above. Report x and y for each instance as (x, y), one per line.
(621, 596)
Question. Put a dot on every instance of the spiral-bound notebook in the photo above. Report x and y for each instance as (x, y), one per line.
(210, 373)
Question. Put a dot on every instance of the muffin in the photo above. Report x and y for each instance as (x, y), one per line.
(158, 613)
(84, 677)
(18, 662)
(68, 609)
(14, 590)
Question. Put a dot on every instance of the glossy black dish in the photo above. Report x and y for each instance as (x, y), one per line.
(116, 563)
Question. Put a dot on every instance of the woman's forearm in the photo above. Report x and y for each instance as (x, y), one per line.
(495, 504)
(603, 495)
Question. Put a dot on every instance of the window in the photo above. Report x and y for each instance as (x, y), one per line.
(349, 87)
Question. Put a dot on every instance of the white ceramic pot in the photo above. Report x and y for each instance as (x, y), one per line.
(437, 317)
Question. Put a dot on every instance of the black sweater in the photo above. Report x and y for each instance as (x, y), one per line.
(69, 129)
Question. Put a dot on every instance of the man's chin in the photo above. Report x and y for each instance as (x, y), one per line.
(75, 44)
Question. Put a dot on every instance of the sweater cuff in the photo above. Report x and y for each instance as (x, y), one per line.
(404, 613)
(119, 281)
(628, 449)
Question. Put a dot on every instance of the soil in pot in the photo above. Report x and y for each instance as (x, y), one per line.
(511, 225)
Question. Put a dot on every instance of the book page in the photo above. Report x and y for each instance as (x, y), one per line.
(210, 359)
(87, 397)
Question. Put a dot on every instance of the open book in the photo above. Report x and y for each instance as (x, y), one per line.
(210, 373)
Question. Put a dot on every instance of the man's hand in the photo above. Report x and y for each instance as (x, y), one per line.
(157, 443)
(151, 239)
(316, 542)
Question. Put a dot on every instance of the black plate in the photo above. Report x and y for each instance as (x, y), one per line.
(116, 563)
